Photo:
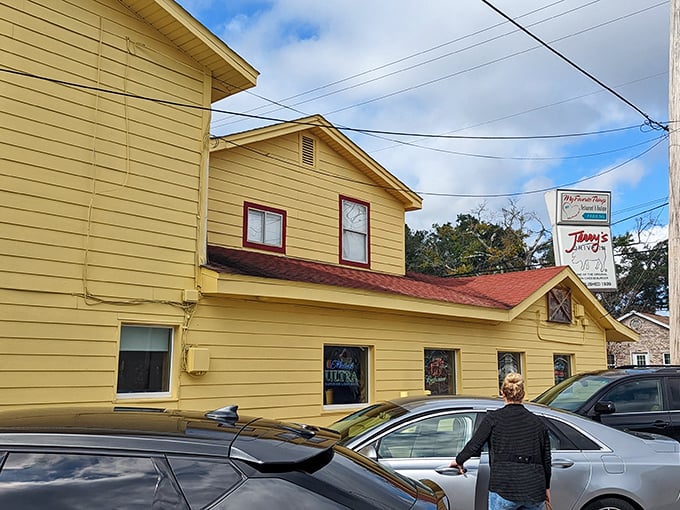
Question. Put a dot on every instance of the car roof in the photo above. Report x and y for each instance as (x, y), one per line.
(254, 440)
(628, 370)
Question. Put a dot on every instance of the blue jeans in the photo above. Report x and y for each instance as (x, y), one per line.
(497, 502)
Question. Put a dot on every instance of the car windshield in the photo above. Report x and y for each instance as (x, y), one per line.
(365, 419)
(571, 393)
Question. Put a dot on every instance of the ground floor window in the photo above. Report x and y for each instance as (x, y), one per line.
(562, 367)
(345, 374)
(640, 359)
(144, 359)
(440, 371)
(508, 362)
(611, 361)
(666, 358)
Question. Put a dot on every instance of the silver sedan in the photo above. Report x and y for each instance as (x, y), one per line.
(594, 467)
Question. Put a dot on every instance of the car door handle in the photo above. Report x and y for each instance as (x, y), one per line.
(562, 463)
(660, 424)
(449, 471)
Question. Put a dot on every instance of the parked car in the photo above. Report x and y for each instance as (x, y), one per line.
(645, 399)
(124, 458)
(595, 467)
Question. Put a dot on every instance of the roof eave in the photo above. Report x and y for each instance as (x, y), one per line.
(231, 73)
(215, 283)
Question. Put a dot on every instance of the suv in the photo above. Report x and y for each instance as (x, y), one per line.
(132, 458)
(631, 398)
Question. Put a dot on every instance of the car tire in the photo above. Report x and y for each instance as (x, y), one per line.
(609, 504)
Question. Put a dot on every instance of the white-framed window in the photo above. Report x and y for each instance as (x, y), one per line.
(666, 358)
(345, 371)
(440, 371)
(264, 227)
(611, 361)
(639, 358)
(354, 232)
(145, 360)
(508, 362)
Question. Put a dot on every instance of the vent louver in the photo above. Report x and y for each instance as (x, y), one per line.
(308, 150)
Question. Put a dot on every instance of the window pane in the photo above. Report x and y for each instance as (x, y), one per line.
(508, 362)
(144, 359)
(270, 493)
(636, 396)
(272, 231)
(562, 367)
(440, 436)
(354, 217)
(666, 358)
(674, 392)
(255, 226)
(82, 482)
(345, 375)
(354, 247)
(202, 481)
(440, 372)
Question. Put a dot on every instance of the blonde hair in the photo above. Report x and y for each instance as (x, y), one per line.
(513, 387)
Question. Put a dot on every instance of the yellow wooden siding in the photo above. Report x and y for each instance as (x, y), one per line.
(267, 357)
(56, 350)
(90, 176)
(268, 173)
(87, 170)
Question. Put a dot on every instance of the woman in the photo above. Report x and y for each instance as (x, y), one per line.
(519, 452)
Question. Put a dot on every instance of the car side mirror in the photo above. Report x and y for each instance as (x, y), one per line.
(369, 451)
(605, 407)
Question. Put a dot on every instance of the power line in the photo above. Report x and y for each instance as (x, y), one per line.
(651, 121)
(413, 55)
(304, 123)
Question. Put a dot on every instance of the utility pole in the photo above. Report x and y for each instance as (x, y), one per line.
(674, 183)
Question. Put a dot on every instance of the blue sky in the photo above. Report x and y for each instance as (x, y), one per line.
(458, 68)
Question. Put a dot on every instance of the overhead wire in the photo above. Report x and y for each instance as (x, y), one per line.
(308, 123)
(403, 59)
(649, 119)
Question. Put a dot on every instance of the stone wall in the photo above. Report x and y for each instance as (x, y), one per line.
(654, 341)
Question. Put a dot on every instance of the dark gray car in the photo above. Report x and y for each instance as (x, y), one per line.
(645, 399)
(128, 458)
(595, 467)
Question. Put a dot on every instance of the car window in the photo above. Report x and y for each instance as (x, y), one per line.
(566, 437)
(571, 393)
(36, 481)
(437, 436)
(636, 396)
(674, 393)
(203, 481)
(268, 493)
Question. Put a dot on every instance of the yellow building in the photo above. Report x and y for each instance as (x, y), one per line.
(144, 264)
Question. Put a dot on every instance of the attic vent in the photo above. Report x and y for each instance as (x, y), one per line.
(308, 150)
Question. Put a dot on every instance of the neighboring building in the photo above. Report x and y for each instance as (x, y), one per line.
(275, 280)
(653, 348)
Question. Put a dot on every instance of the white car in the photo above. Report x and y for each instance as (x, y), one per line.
(594, 467)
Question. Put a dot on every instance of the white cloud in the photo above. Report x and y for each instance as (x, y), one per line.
(470, 79)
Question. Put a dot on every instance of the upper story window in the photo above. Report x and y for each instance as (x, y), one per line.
(559, 305)
(264, 227)
(354, 232)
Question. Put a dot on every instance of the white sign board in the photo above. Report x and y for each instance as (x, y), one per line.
(588, 251)
(583, 207)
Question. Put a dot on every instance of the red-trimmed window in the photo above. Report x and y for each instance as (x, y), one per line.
(354, 232)
(264, 227)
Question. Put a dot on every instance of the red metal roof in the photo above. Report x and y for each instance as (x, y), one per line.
(502, 291)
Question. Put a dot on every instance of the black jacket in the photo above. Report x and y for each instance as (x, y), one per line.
(519, 453)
